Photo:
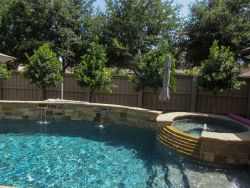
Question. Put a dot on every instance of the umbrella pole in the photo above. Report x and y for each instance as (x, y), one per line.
(164, 107)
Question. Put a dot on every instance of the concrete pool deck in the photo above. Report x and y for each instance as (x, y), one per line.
(213, 147)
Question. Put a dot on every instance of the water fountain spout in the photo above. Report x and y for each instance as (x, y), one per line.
(100, 125)
(43, 115)
(205, 127)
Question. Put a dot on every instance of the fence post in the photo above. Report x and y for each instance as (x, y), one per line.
(87, 91)
(39, 94)
(248, 102)
(1, 90)
(193, 94)
(139, 98)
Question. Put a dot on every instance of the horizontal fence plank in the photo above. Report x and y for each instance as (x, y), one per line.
(185, 98)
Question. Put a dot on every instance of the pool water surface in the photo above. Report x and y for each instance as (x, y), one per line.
(81, 154)
(195, 125)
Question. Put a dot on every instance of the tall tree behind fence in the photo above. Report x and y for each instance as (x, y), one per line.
(186, 97)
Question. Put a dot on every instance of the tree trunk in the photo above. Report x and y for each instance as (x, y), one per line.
(44, 97)
(215, 94)
(91, 97)
(164, 107)
(1, 82)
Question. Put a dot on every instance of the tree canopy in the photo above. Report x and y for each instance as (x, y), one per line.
(136, 26)
(91, 72)
(25, 25)
(224, 20)
(44, 68)
(149, 68)
(4, 72)
(219, 72)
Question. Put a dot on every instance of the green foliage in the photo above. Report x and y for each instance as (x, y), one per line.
(115, 71)
(25, 25)
(195, 71)
(43, 68)
(149, 69)
(128, 28)
(4, 72)
(219, 72)
(135, 27)
(224, 20)
(92, 72)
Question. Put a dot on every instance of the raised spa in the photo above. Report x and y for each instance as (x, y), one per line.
(210, 138)
(194, 125)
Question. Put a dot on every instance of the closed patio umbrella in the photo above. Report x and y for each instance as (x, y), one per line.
(164, 95)
(4, 58)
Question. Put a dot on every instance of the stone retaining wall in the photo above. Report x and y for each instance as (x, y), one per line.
(226, 148)
(73, 110)
(216, 148)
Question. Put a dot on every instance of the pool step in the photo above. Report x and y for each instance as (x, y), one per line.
(182, 134)
(191, 153)
(181, 151)
(181, 142)
(179, 137)
(177, 146)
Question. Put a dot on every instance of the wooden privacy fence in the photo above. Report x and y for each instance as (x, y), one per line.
(185, 98)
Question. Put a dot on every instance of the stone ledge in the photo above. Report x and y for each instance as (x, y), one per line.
(78, 110)
(235, 137)
(169, 117)
(87, 104)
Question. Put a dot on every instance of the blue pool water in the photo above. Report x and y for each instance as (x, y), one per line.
(79, 154)
(195, 125)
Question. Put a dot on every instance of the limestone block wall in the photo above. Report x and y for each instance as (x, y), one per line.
(72, 110)
(225, 148)
(211, 147)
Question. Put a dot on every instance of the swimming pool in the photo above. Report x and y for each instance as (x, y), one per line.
(195, 125)
(83, 154)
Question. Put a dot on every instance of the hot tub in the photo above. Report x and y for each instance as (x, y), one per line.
(194, 125)
(206, 137)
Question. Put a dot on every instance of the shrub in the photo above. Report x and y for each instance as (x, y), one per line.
(92, 72)
(219, 72)
(44, 68)
(149, 69)
(4, 72)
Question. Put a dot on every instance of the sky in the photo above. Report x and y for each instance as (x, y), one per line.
(184, 10)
